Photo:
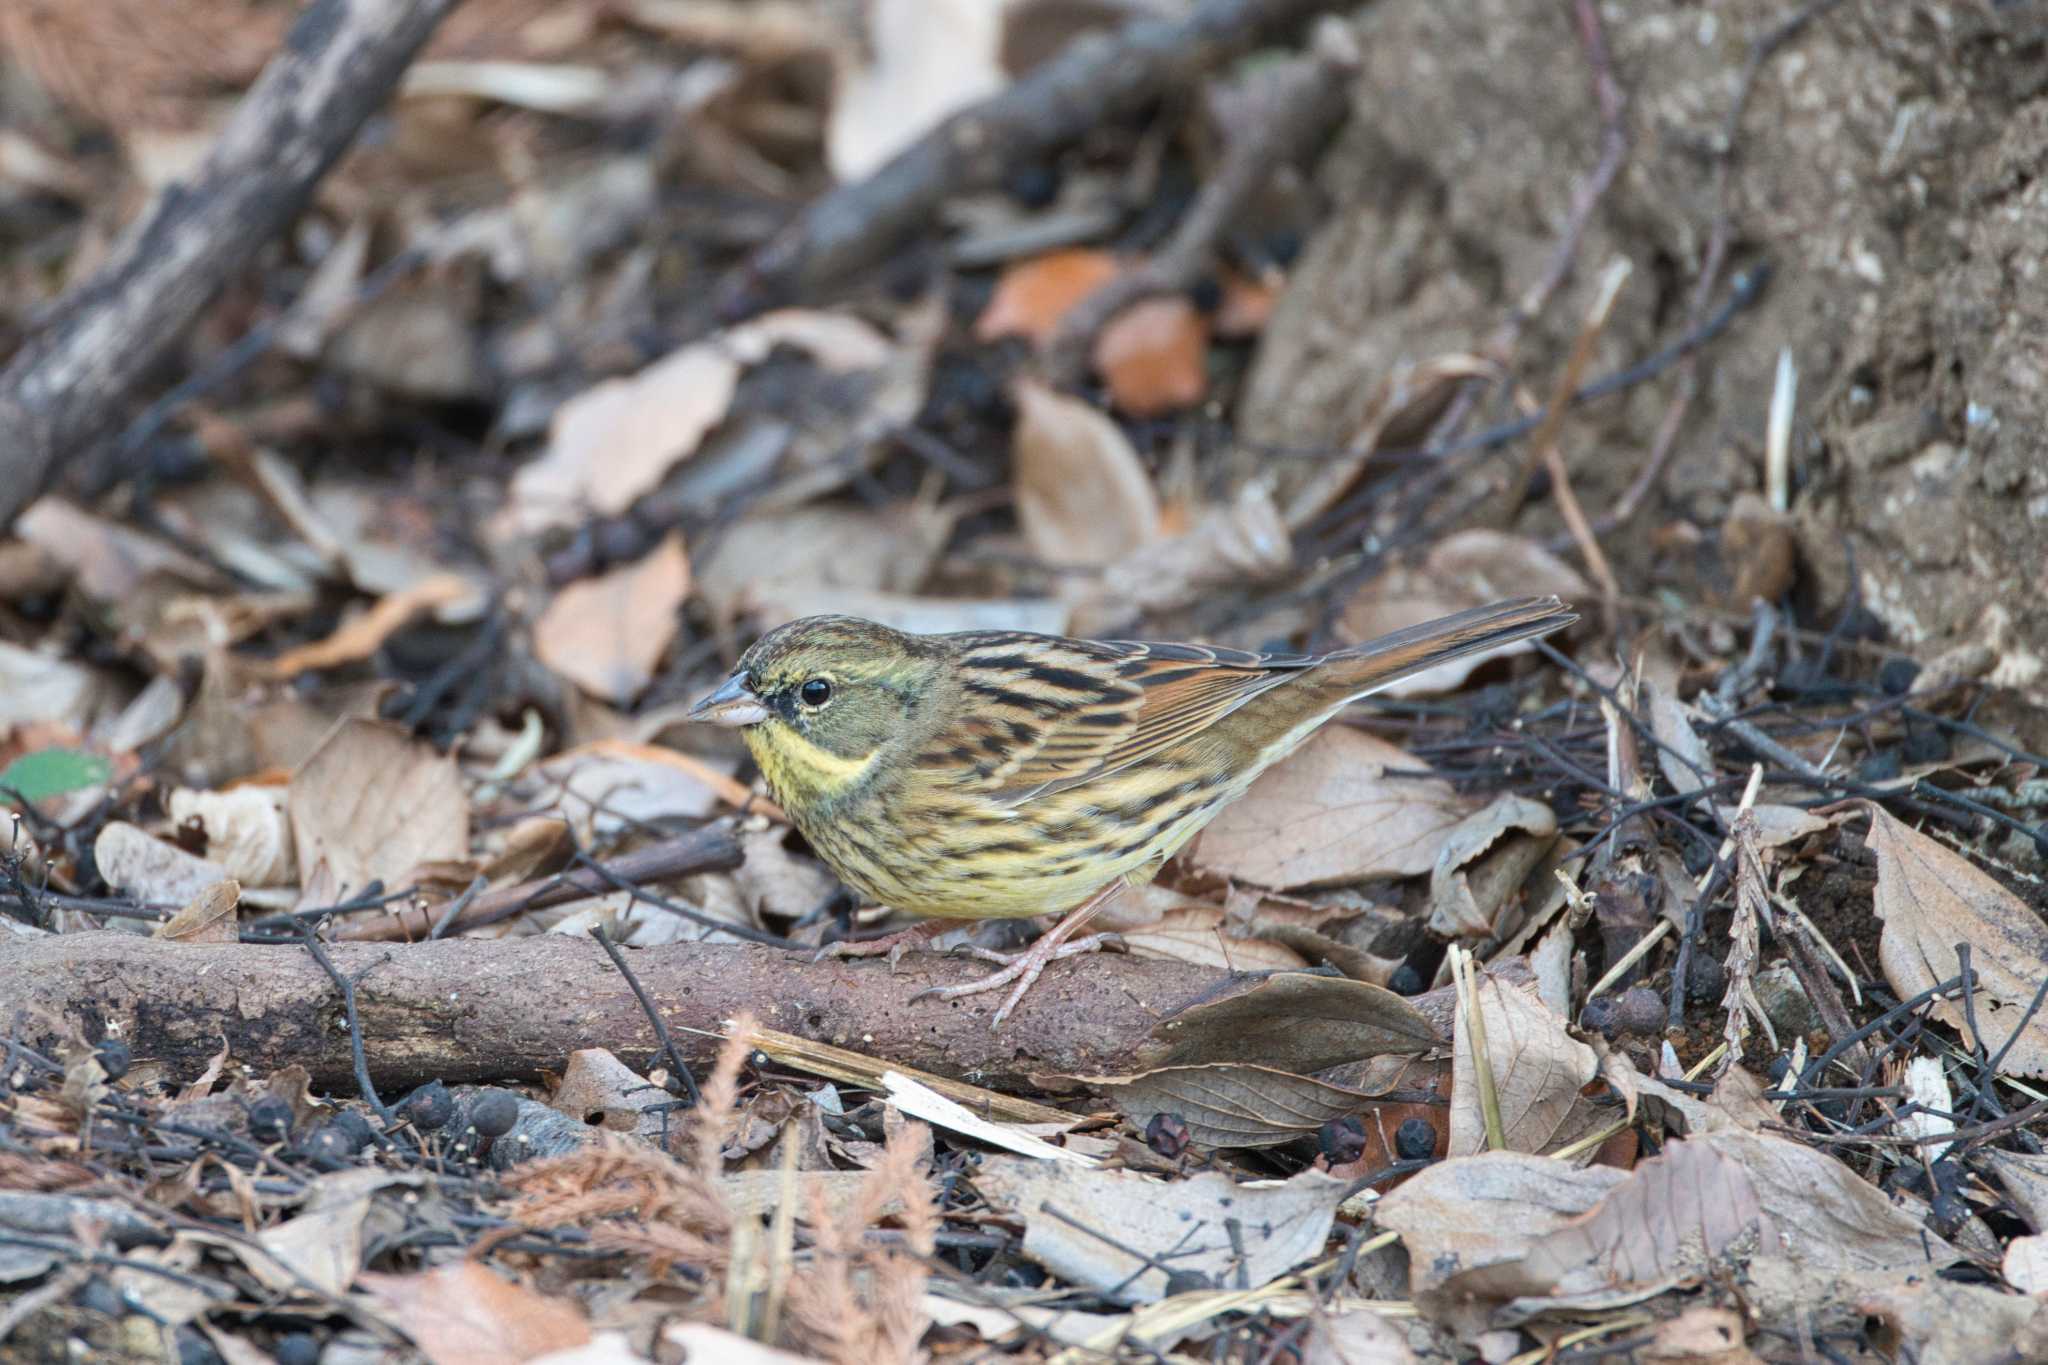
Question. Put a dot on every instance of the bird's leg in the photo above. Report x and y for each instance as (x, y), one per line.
(895, 945)
(1024, 967)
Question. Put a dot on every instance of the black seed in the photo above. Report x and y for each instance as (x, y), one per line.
(1415, 1140)
(1341, 1140)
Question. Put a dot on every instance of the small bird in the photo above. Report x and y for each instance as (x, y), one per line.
(1001, 774)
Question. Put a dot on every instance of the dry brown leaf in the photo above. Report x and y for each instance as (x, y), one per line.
(363, 635)
(606, 786)
(1468, 569)
(1481, 867)
(108, 560)
(1297, 1023)
(1082, 496)
(1469, 1216)
(770, 556)
(1933, 1321)
(1676, 1215)
(1210, 1230)
(208, 917)
(1538, 1071)
(465, 1314)
(247, 830)
(1931, 899)
(1330, 813)
(616, 440)
(923, 59)
(1154, 356)
(599, 1090)
(2025, 1266)
(151, 869)
(41, 689)
(323, 1245)
(371, 804)
(1233, 1104)
(1032, 296)
(1199, 934)
(607, 634)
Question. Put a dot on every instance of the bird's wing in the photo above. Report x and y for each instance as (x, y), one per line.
(1045, 714)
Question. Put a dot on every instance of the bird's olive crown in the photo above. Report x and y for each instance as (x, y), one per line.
(845, 685)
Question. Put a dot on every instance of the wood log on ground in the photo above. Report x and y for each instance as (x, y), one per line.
(73, 379)
(467, 1009)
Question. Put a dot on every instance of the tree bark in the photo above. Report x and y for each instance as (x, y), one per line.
(469, 1009)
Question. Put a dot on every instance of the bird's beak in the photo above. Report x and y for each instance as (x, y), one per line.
(734, 703)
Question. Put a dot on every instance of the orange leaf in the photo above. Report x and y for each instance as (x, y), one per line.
(1154, 356)
(1032, 296)
(607, 634)
(364, 635)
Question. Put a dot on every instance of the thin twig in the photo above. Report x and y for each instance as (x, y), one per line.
(661, 1033)
(310, 936)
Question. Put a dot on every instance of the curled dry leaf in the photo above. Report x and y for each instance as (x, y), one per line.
(1469, 1217)
(463, 1313)
(1931, 899)
(1538, 1072)
(607, 634)
(614, 441)
(149, 868)
(2025, 1265)
(1233, 1104)
(371, 804)
(1210, 1230)
(323, 1244)
(208, 917)
(1082, 495)
(1032, 296)
(1468, 569)
(108, 560)
(838, 342)
(599, 1090)
(1199, 934)
(1332, 812)
(1701, 1335)
(1154, 356)
(247, 830)
(1297, 1023)
(1483, 863)
(1941, 1322)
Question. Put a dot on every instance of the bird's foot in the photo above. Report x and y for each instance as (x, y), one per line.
(893, 945)
(1023, 968)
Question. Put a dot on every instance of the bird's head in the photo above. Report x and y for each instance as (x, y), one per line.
(819, 700)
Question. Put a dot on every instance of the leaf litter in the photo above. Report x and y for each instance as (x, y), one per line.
(396, 618)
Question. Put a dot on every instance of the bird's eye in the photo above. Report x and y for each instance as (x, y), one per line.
(815, 692)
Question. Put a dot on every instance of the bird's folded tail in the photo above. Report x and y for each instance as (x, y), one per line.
(1377, 663)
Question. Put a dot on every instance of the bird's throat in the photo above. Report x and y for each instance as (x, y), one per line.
(804, 774)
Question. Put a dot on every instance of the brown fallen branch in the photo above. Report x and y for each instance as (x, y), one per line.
(73, 380)
(711, 849)
(467, 1009)
(1305, 98)
(1095, 79)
